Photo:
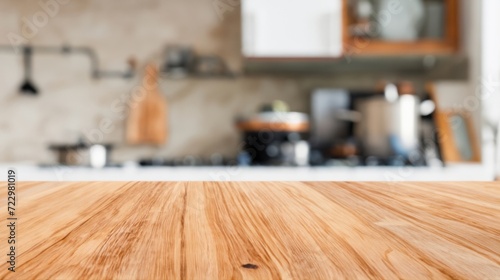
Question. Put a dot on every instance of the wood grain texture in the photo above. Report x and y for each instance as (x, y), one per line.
(445, 136)
(196, 230)
(147, 119)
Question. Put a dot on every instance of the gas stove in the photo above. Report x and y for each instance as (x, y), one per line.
(372, 161)
(214, 160)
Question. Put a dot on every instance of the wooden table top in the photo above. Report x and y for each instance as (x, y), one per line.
(149, 230)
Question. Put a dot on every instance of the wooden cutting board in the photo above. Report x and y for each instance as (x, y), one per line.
(147, 120)
(196, 230)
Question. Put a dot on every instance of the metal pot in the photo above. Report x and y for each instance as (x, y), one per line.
(81, 154)
(389, 128)
(388, 125)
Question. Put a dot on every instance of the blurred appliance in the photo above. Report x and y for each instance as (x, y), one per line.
(326, 128)
(82, 154)
(390, 125)
(384, 125)
(179, 60)
(147, 119)
(275, 138)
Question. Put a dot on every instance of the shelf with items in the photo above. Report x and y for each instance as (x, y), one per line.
(387, 28)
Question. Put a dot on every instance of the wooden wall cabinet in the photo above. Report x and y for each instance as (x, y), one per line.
(323, 29)
(447, 44)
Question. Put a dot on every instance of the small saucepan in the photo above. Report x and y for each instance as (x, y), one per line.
(82, 154)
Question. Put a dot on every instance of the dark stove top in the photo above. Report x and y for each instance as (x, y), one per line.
(188, 161)
(219, 161)
(374, 161)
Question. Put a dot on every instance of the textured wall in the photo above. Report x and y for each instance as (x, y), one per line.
(71, 103)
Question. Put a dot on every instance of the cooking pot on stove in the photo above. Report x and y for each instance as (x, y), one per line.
(82, 154)
(275, 138)
(389, 125)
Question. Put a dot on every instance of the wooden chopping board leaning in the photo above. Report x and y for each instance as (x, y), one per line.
(147, 120)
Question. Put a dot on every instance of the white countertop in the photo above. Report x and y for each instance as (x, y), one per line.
(462, 172)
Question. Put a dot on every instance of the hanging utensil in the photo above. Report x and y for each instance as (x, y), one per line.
(27, 87)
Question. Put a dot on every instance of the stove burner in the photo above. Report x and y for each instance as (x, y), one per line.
(189, 161)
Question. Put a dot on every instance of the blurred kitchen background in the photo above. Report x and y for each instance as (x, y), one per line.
(250, 89)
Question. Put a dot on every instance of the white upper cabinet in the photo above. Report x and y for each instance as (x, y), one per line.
(292, 28)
